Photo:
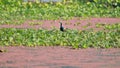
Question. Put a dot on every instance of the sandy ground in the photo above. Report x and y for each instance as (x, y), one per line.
(59, 57)
(79, 24)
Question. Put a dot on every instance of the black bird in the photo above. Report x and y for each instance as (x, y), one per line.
(61, 27)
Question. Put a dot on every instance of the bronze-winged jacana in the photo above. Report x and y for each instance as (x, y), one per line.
(61, 27)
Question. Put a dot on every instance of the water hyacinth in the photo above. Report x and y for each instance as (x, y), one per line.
(53, 37)
(17, 11)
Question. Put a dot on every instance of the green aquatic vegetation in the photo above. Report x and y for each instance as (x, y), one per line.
(54, 37)
(36, 23)
(16, 11)
(112, 26)
(108, 26)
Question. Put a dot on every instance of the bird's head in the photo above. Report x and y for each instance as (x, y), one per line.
(60, 23)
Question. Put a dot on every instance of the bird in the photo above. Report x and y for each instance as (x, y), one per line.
(61, 27)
